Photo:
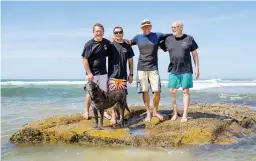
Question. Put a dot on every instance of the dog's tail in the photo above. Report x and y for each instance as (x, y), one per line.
(126, 107)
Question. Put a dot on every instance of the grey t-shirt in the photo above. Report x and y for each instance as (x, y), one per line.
(179, 50)
(148, 47)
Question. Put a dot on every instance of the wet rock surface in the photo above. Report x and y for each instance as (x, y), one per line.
(207, 124)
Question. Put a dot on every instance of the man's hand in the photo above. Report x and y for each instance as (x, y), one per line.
(90, 77)
(128, 41)
(130, 79)
(197, 73)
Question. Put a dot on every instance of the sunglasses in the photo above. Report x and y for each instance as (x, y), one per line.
(118, 32)
(174, 27)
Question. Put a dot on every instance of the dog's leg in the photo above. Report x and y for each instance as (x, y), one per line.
(126, 106)
(95, 112)
(117, 113)
(101, 118)
(121, 109)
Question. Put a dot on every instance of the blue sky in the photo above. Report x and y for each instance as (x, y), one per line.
(44, 40)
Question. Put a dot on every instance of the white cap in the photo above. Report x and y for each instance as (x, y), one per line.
(145, 22)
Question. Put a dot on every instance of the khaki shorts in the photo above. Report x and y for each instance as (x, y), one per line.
(146, 79)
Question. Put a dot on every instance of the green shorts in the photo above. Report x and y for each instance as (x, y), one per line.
(180, 80)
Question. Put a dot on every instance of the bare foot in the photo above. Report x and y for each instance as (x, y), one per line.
(174, 117)
(158, 116)
(107, 115)
(148, 118)
(86, 115)
(184, 119)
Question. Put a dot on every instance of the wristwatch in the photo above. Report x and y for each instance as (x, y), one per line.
(131, 74)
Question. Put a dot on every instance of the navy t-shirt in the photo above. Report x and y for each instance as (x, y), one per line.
(148, 48)
(179, 51)
(118, 54)
(96, 52)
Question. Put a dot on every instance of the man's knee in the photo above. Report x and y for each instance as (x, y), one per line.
(157, 94)
(185, 91)
(173, 92)
(145, 94)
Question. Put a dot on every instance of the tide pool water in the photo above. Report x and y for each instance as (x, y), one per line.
(25, 100)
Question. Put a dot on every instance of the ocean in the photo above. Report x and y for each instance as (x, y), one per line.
(25, 100)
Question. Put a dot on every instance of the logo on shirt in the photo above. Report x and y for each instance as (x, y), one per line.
(105, 47)
(184, 44)
(124, 50)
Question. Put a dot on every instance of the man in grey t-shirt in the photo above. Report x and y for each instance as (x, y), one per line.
(147, 74)
(180, 46)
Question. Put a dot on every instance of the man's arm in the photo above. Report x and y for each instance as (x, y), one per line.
(86, 66)
(162, 37)
(87, 69)
(132, 42)
(196, 61)
(130, 62)
(161, 41)
(85, 56)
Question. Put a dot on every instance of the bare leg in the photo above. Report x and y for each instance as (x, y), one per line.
(186, 100)
(107, 115)
(156, 99)
(87, 107)
(146, 100)
(174, 104)
(113, 116)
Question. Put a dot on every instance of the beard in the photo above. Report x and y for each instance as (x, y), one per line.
(175, 33)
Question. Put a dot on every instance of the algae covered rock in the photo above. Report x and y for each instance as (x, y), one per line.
(208, 123)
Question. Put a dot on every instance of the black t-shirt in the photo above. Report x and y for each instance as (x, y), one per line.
(118, 54)
(179, 50)
(96, 52)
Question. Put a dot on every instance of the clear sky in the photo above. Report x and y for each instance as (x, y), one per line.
(44, 40)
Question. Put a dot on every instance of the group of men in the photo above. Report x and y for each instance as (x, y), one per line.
(119, 52)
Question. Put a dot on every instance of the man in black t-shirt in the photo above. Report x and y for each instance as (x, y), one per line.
(94, 62)
(119, 53)
(180, 46)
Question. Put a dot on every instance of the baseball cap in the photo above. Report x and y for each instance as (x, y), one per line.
(145, 22)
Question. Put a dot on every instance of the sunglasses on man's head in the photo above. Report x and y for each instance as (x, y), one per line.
(118, 32)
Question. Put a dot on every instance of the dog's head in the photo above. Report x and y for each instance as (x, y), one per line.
(93, 89)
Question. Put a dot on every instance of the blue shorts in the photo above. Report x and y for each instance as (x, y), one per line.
(180, 80)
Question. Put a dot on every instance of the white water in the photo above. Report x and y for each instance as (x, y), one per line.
(198, 84)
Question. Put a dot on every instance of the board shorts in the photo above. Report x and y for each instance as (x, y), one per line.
(184, 80)
(147, 79)
(102, 81)
(117, 84)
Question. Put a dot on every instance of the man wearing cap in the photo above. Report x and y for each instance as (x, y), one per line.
(147, 74)
(179, 46)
